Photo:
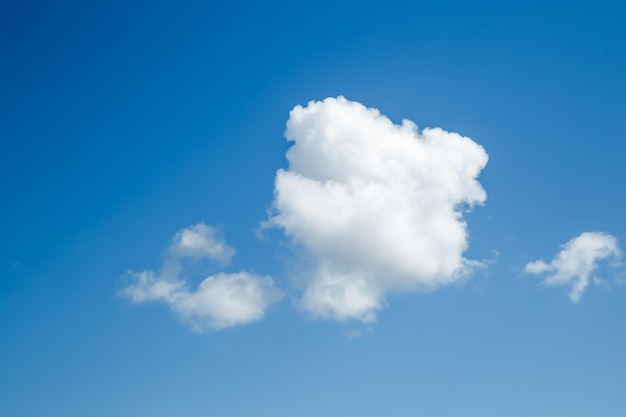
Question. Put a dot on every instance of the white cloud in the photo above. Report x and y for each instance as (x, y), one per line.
(573, 265)
(201, 241)
(197, 242)
(219, 301)
(378, 207)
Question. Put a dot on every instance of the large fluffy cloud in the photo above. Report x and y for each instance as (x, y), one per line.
(573, 265)
(376, 207)
(220, 301)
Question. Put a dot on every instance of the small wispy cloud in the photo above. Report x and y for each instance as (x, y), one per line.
(620, 279)
(574, 264)
(219, 301)
(352, 334)
(201, 241)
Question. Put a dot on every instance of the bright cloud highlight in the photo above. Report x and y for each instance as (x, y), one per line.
(377, 207)
(573, 265)
(220, 301)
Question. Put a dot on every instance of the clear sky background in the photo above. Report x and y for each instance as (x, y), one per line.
(125, 122)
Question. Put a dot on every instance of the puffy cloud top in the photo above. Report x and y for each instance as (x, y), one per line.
(377, 206)
(573, 265)
(201, 241)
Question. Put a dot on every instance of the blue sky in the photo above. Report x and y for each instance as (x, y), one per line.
(125, 124)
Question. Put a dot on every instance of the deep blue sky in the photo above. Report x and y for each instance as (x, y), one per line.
(123, 123)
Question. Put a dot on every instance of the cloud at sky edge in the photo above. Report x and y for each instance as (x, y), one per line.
(576, 261)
